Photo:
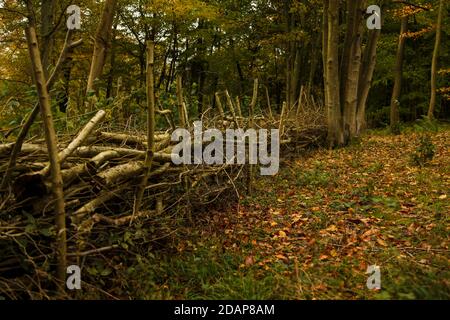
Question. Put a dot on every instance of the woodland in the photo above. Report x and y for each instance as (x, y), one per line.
(92, 91)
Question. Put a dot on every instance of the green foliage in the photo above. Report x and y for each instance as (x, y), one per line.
(424, 152)
(204, 273)
(411, 280)
(316, 177)
(426, 125)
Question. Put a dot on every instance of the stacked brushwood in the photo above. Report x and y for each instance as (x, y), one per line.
(101, 172)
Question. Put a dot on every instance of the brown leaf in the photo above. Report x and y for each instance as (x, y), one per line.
(381, 242)
(249, 261)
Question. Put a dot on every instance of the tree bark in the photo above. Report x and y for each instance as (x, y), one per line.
(347, 52)
(325, 48)
(219, 106)
(353, 65)
(334, 115)
(395, 104)
(180, 99)
(251, 124)
(102, 43)
(365, 78)
(150, 126)
(52, 145)
(435, 61)
(47, 14)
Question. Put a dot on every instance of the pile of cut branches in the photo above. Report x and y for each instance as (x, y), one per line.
(102, 171)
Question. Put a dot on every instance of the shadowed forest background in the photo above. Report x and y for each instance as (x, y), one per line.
(86, 179)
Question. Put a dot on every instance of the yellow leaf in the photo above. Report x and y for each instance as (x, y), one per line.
(381, 242)
(282, 234)
(281, 257)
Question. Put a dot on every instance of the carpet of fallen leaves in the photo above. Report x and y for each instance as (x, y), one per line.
(329, 215)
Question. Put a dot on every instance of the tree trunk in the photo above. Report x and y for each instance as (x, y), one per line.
(112, 65)
(334, 115)
(251, 111)
(435, 61)
(325, 48)
(150, 125)
(314, 61)
(295, 77)
(365, 78)
(102, 43)
(47, 13)
(353, 65)
(52, 145)
(348, 46)
(180, 99)
(395, 104)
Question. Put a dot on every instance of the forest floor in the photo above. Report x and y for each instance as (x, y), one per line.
(312, 231)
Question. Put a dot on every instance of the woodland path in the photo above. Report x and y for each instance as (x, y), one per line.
(312, 231)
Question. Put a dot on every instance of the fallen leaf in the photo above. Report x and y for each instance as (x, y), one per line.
(249, 261)
(381, 242)
(281, 257)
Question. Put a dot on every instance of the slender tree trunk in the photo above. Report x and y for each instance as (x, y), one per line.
(163, 70)
(240, 74)
(435, 61)
(314, 61)
(251, 112)
(219, 106)
(102, 43)
(365, 78)
(353, 65)
(52, 145)
(63, 101)
(112, 65)
(295, 77)
(182, 116)
(325, 49)
(201, 91)
(290, 54)
(347, 52)
(334, 115)
(47, 14)
(150, 125)
(395, 104)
